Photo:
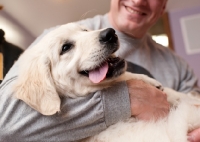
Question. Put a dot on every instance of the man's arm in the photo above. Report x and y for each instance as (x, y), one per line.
(187, 79)
(79, 118)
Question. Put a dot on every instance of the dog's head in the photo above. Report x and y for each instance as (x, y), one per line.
(70, 60)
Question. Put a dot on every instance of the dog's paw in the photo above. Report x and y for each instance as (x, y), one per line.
(156, 84)
(160, 87)
(153, 82)
(144, 78)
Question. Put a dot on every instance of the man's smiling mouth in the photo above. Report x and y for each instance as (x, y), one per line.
(134, 11)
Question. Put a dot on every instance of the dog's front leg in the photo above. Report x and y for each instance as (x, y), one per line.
(145, 78)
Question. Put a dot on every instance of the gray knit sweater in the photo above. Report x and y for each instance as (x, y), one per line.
(89, 115)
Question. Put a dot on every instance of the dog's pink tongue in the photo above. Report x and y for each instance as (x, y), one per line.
(98, 74)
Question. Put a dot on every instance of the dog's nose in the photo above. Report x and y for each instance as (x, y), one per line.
(108, 35)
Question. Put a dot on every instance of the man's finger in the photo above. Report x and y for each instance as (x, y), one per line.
(194, 136)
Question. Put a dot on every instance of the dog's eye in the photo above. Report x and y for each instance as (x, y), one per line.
(66, 47)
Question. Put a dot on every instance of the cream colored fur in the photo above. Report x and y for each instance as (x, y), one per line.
(45, 75)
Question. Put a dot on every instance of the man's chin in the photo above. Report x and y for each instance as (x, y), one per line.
(132, 29)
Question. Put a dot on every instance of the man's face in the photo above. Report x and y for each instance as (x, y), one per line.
(135, 17)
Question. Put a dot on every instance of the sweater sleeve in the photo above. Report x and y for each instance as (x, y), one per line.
(188, 82)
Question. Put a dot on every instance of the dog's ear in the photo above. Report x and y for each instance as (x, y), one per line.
(35, 85)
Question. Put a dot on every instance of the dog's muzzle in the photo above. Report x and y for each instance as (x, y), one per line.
(109, 66)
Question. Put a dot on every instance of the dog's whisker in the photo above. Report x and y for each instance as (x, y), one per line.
(83, 16)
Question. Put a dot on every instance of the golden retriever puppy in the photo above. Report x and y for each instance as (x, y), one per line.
(74, 61)
(70, 60)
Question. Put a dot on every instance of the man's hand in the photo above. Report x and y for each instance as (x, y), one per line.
(147, 102)
(194, 136)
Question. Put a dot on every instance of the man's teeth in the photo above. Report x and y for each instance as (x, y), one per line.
(133, 11)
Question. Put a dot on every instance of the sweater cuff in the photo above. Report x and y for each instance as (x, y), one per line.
(116, 103)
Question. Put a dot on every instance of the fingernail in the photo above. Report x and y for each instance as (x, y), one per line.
(190, 138)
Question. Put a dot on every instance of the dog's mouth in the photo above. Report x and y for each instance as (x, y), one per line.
(112, 67)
